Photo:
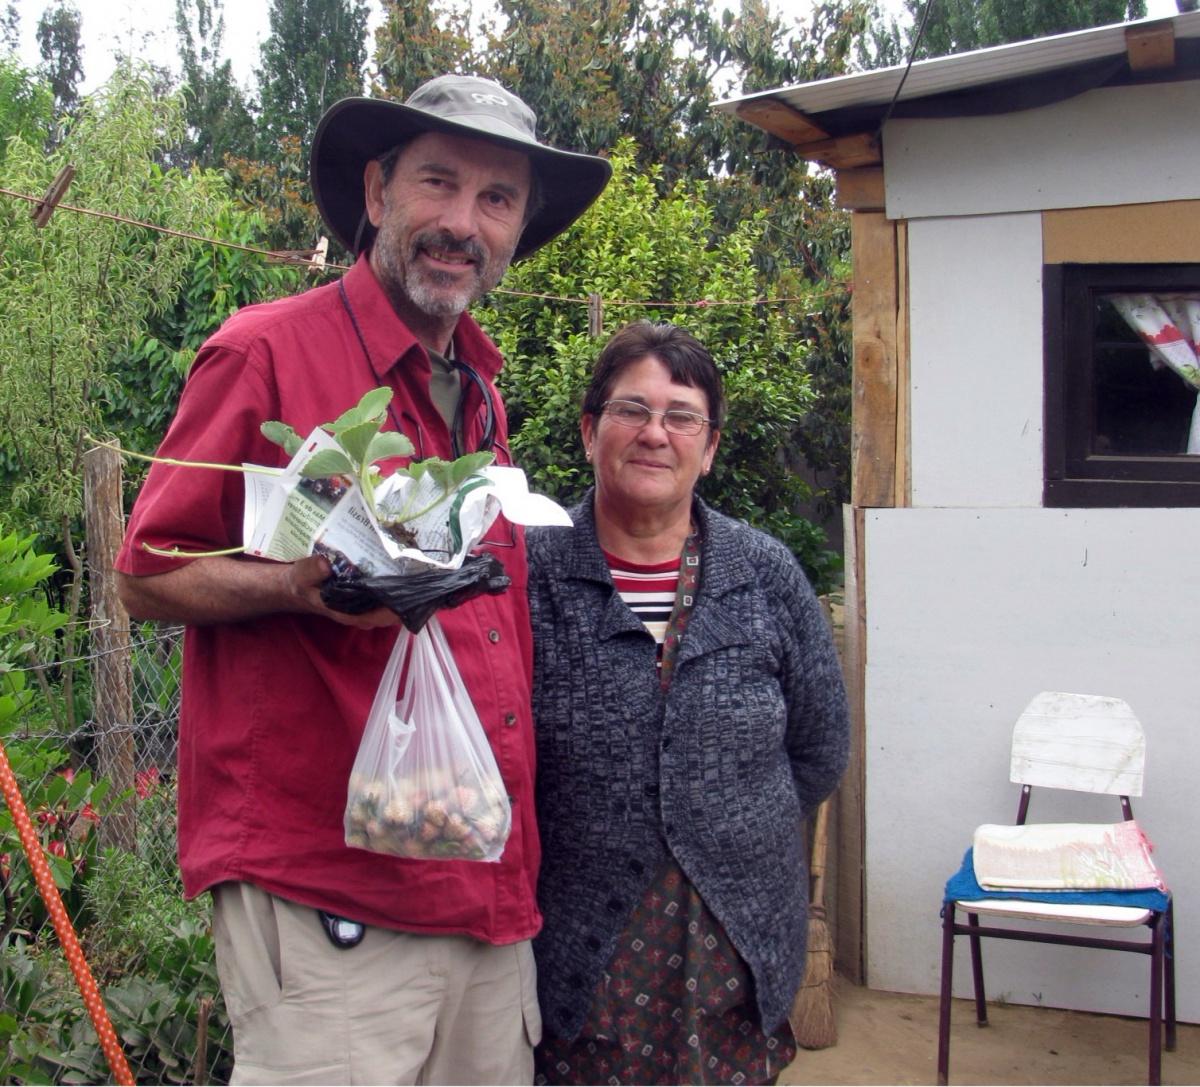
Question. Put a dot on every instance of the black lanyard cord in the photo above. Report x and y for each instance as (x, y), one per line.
(488, 440)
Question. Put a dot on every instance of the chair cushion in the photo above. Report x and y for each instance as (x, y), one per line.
(1058, 856)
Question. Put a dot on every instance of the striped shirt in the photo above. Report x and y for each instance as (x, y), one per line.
(649, 591)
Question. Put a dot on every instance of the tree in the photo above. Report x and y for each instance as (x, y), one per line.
(73, 292)
(59, 43)
(955, 26)
(315, 54)
(418, 41)
(26, 106)
(655, 256)
(215, 112)
(10, 28)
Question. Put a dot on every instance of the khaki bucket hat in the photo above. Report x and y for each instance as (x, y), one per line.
(354, 131)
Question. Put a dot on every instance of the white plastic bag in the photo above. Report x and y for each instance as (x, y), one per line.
(425, 783)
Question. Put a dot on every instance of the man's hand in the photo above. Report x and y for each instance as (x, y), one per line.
(222, 589)
(307, 577)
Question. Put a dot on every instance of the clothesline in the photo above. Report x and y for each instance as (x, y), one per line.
(305, 258)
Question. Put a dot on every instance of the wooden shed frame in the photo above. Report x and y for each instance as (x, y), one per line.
(840, 124)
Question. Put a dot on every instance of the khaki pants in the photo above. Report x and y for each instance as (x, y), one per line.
(397, 1008)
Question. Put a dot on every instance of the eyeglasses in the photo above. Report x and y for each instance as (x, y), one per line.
(632, 414)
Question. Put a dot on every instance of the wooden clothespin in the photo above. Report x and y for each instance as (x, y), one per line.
(314, 258)
(58, 189)
(317, 261)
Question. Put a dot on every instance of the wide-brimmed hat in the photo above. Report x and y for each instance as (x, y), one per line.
(356, 130)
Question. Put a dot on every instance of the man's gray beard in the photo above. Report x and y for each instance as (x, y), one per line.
(426, 290)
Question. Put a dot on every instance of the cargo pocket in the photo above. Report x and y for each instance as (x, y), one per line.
(246, 933)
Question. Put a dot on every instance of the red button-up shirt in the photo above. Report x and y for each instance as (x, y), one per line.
(274, 708)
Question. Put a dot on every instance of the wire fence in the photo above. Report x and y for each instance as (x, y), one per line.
(150, 952)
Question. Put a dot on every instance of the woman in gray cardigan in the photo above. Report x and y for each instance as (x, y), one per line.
(690, 714)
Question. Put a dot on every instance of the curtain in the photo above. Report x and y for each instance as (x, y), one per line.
(1169, 324)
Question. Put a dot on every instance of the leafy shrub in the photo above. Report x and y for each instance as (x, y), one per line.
(635, 244)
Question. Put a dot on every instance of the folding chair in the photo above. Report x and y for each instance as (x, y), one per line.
(1085, 743)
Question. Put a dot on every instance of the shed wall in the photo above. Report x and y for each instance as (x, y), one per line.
(970, 613)
(975, 598)
(1114, 145)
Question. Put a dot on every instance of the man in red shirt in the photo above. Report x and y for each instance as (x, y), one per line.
(339, 965)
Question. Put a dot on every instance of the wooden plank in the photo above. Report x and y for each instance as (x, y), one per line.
(845, 152)
(861, 189)
(780, 119)
(903, 491)
(1151, 46)
(874, 307)
(1123, 234)
(849, 930)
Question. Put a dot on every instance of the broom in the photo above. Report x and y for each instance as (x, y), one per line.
(812, 1018)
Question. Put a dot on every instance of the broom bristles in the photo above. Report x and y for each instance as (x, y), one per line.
(814, 1024)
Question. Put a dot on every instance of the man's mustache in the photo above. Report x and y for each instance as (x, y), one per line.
(445, 242)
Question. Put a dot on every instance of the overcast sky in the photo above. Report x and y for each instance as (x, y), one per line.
(146, 28)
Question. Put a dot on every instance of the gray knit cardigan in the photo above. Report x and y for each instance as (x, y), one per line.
(722, 770)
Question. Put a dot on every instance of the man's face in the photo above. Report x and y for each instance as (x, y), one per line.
(448, 221)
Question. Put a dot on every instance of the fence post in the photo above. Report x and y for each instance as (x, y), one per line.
(112, 683)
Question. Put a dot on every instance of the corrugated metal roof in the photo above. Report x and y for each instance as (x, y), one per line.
(941, 75)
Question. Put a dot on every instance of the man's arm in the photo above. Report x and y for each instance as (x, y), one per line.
(222, 589)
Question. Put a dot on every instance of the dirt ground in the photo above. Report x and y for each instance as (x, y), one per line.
(891, 1038)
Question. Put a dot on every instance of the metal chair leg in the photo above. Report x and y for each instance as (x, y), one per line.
(981, 1018)
(943, 1053)
(1156, 999)
(1169, 967)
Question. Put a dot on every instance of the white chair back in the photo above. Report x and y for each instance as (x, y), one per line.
(1089, 743)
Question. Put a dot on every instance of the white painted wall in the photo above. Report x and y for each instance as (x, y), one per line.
(1115, 145)
(970, 613)
(976, 360)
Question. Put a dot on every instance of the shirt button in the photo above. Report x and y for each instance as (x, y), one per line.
(493, 636)
(614, 905)
(510, 719)
(593, 943)
(666, 743)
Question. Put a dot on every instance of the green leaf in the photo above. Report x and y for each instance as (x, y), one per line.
(282, 434)
(356, 440)
(388, 443)
(327, 462)
(372, 407)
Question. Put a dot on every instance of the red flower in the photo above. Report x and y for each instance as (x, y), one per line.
(146, 781)
(89, 813)
(59, 849)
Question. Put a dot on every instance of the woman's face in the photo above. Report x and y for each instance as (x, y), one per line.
(649, 467)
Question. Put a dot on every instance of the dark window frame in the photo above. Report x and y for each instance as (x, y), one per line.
(1074, 475)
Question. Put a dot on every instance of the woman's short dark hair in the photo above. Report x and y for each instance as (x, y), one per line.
(684, 356)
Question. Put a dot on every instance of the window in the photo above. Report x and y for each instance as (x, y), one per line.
(1122, 406)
